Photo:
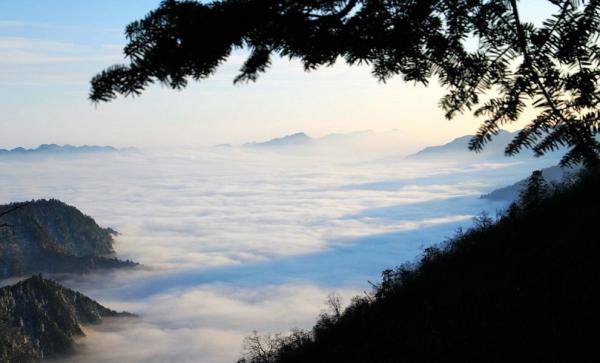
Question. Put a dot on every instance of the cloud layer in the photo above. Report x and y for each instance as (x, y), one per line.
(201, 324)
(236, 240)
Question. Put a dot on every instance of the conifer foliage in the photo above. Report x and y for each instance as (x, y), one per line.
(554, 66)
(535, 191)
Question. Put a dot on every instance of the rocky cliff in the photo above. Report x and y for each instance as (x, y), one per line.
(51, 236)
(40, 318)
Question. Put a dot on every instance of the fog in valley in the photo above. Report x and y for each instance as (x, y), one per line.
(240, 238)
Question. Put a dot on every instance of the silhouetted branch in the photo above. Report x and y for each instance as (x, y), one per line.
(553, 66)
(339, 15)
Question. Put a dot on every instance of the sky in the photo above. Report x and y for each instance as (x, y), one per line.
(234, 239)
(50, 49)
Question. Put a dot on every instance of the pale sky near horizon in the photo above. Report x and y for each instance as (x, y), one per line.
(50, 49)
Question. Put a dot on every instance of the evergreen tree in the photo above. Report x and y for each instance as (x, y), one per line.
(536, 190)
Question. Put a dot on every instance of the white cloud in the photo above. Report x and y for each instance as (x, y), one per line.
(237, 240)
(28, 43)
(190, 212)
(19, 50)
(202, 324)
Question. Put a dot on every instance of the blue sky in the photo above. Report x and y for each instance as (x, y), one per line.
(85, 22)
(49, 49)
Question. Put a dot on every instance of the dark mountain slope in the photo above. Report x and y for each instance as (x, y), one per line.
(553, 174)
(51, 236)
(38, 318)
(522, 289)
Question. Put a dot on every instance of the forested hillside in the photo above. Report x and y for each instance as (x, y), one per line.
(40, 318)
(51, 236)
(523, 288)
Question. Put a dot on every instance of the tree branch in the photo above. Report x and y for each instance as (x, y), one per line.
(522, 40)
(339, 15)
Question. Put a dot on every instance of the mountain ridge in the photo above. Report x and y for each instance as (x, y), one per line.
(552, 174)
(41, 318)
(460, 145)
(65, 149)
(51, 236)
(495, 149)
(295, 139)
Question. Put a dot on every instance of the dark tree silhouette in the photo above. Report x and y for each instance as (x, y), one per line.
(535, 191)
(523, 288)
(555, 66)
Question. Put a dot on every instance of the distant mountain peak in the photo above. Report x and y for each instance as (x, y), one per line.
(66, 149)
(460, 145)
(295, 136)
(298, 138)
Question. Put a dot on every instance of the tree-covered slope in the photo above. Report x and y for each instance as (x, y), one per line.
(521, 289)
(40, 318)
(552, 175)
(51, 236)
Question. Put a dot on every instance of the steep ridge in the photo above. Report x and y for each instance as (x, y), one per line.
(51, 236)
(40, 318)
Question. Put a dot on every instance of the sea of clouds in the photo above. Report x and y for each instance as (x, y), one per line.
(234, 240)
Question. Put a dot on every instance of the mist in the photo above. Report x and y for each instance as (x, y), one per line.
(233, 239)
